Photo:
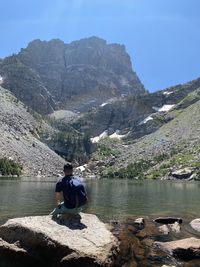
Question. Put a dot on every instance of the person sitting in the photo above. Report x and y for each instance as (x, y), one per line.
(73, 191)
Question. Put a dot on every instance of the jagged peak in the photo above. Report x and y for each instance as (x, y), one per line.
(40, 42)
(93, 40)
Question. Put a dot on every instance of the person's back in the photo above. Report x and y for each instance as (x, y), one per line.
(74, 194)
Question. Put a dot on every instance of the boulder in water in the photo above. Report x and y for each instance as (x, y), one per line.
(164, 229)
(139, 223)
(186, 249)
(168, 220)
(175, 227)
(195, 224)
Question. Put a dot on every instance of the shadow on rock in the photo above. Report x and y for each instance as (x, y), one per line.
(73, 222)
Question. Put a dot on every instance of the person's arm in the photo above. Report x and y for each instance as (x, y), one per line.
(57, 195)
(57, 198)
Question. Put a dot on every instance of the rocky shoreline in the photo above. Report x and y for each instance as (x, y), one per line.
(161, 242)
(86, 241)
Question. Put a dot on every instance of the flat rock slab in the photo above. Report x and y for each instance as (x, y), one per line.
(195, 224)
(187, 249)
(84, 243)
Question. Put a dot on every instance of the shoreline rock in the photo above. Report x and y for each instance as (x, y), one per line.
(164, 229)
(195, 224)
(168, 220)
(185, 249)
(40, 239)
(185, 173)
(139, 223)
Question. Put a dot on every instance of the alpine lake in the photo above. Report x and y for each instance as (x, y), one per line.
(119, 201)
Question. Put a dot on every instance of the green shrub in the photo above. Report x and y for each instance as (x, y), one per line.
(138, 169)
(161, 157)
(9, 167)
(105, 152)
(133, 170)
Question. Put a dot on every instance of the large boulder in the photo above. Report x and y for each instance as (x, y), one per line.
(185, 173)
(41, 240)
(187, 249)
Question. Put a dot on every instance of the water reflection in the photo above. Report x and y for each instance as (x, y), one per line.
(123, 198)
(109, 199)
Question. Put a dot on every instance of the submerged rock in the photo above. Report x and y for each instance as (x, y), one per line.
(187, 249)
(195, 224)
(41, 240)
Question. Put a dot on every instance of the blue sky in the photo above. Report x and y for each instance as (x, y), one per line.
(161, 36)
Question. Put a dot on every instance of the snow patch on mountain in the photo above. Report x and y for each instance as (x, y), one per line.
(166, 108)
(96, 139)
(1, 79)
(168, 93)
(103, 104)
(117, 135)
(149, 118)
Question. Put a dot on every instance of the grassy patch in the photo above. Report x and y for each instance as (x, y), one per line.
(182, 159)
(190, 99)
(160, 172)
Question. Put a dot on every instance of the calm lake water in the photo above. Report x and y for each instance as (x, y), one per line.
(109, 199)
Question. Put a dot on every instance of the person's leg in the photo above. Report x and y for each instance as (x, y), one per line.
(57, 210)
(63, 210)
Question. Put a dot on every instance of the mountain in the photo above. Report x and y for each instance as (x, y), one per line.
(173, 147)
(89, 91)
(20, 139)
(163, 144)
(137, 115)
(50, 75)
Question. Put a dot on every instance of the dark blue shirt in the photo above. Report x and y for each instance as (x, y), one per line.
(68, 185)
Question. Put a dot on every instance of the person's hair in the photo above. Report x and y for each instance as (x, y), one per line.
(68, 167)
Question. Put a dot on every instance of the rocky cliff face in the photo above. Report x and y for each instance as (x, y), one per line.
(19, 139)
(74, 76)
(25, 84)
